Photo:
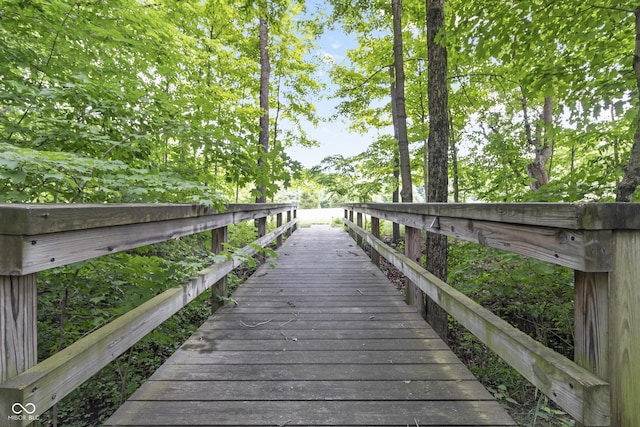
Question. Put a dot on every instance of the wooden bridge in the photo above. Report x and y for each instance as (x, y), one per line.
(323, 338)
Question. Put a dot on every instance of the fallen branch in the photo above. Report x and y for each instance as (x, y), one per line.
(256, 324)
(295, 316)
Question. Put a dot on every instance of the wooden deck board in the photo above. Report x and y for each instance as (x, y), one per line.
(321, 340)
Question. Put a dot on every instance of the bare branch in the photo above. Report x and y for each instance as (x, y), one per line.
(368, 79)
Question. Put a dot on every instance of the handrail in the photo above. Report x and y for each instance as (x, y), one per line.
(39, 237)
(601, 242)
(44, 384)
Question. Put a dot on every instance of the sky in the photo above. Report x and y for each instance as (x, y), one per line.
(333, 136)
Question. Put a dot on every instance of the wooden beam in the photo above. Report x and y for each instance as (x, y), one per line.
(18, 325)
(359, 222)
(579, 392)
(375, 231)
(591, 314)
(25, 254)
(582, 250)
(351, 219)
(413, 250)
(32, 219)
(624, 330)
(295, 218)
(591, 336)
(278, 224)
(219, 237)
(571, 216)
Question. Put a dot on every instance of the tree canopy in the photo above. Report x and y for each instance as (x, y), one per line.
(133, 100)
(127, 100)
(543, 95)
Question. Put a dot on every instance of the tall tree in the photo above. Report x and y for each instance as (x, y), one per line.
(541, 142)
(263, 139)
(398, 100)
(438, 187)
(631, 178)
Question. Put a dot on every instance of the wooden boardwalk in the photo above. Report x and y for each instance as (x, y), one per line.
(321, 340)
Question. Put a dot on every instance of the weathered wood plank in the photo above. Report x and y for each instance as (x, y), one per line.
(573, 216)
(314, 372)
(219, 290)
(217, 357)
(296, 316)
(282, 307)
(317, 324)
(18, 326)
(300, 304)
(291, 413)
(319, 334)
(282, 292)
(591, 336)
(585, 250)
(624, 327)
(37, 252)
(375, 230)
(203, 342)
(278, 390)
(413, 250)
(32, 219)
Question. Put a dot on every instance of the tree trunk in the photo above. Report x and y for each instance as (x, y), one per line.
(401, 114)
(438, 188)
(396, 160)
(454, 162)
(631, 176)
(424, 132)
(542, 143)
(263, 139)
(396, 196)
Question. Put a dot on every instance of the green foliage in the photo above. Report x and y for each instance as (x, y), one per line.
(77, 299)
(505, 59)
(142, 101)
(308, 200)
(534, 296)
(28, 175)
(354, 178)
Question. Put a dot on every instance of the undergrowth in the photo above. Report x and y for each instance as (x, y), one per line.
(534, 296)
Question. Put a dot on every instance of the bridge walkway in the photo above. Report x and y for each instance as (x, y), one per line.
(322, 339)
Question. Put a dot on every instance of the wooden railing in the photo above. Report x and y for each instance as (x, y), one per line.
(600, 242)
(39, 237)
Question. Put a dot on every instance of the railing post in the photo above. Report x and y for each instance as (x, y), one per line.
(295, 215)
(624, 329)
(18, 327)
(413, 250)
(261, 225)
(359, 240)
(289, 213)
(219, 237)
(591, 321)
(279, 224)
(351, 233)
(375, 230)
